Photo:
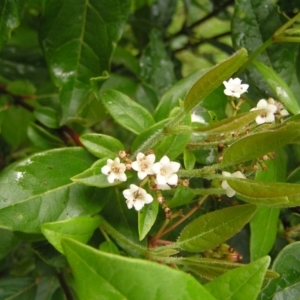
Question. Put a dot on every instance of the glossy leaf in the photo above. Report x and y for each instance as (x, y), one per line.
(147, 217)
(262, 241)
(93, 176)
(10, 13)
(287, 264)
(258, 144)
(254, 22)
(78, 51)
(101, 145)
(126, 112)
(42, 138)
(11, 131)
(170, 99)
(8, 241)
(39, 190)
(230, 124)
(235, 284)
(47, 116)
(279, 88)
(275, 194)
(123, 220)
(213, 78)
(214, 228)
(156, 67)
(79, 229)
(99, 274)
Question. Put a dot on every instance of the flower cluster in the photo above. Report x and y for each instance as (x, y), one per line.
(163, 171)
(271, 107)
(235, 88)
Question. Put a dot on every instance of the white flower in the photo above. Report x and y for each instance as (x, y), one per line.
(143, 165)
(280, 108)
(162, 187)
(115, 170)
(196, 118)
(268, 115)
(165, 171)
(137, 197)
(230, 192)
(234, 87)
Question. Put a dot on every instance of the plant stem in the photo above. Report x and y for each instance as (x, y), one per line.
(160, 134)
(205, 172)
(183, 218)
(162, 228)
(64, 286)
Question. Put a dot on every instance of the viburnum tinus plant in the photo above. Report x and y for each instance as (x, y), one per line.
(149, 149)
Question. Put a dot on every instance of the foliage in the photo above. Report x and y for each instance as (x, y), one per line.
(137, 158)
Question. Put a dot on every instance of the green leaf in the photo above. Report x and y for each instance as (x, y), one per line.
(80, 229)
(111, 276)
(10, 13)
(47, 116)
(275, 194)
(172, 145)
(179, 90)
(146, 218)
(42, 138)
(189, 159)
(18, 288)
(8, 241)
(78, 51)
(287, 264)
(101, 145)
(183, 195)
(93, 176)
(156, 67)
(254, 23)
(123, 223)
(213, 78)
(229, 124)
(211, 269)
(21, 88)
(126, 112)
(45, 251)
(213, 228)
(109, 247)
(12, 132)
(124, 57)
(147, 134)
(39, 190)
(279, 88)
(262, 241)
(255, 145)
(235, 284)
